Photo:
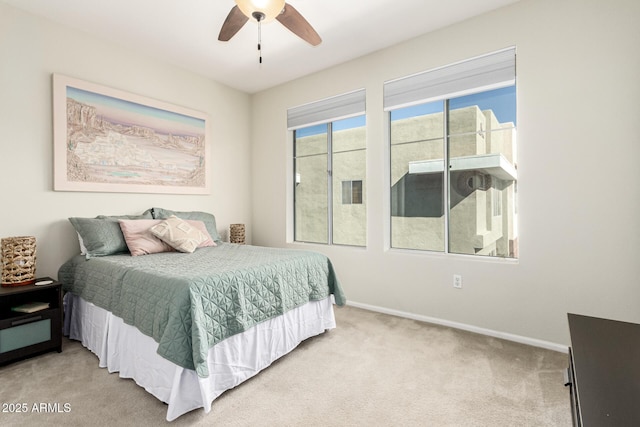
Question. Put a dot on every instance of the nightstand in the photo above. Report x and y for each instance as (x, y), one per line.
(26, 334)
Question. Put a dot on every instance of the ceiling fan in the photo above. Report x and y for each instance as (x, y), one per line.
(265, 11)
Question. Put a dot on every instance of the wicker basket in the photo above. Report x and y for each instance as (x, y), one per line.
(236, 233)
(18, 260)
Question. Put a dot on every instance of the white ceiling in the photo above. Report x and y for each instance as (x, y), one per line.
(185, 32)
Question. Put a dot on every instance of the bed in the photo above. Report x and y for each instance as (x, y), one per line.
(189, 325)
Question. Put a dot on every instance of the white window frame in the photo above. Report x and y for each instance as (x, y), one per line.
(480, 74)
(325, 111)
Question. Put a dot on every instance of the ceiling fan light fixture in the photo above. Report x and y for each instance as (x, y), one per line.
(268, 10)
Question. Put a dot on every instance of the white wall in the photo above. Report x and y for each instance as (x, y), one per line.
(31, 49)
(579, 182)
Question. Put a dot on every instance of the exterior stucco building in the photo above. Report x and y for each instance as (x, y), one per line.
(482, 179)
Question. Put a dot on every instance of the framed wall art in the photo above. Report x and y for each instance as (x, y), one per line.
(108, 140)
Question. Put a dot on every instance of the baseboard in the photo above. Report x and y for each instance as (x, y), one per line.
(489, 332)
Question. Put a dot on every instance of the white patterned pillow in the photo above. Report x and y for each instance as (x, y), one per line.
(179, 234)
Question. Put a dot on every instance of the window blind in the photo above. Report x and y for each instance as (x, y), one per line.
(486, 72)
(327, 110)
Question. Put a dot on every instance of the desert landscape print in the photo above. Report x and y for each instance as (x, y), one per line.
(116, 141)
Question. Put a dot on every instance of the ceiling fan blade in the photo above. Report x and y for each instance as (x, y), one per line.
(235, 20)
(295, 22)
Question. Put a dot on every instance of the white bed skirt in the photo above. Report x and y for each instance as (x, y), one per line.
(122, 348)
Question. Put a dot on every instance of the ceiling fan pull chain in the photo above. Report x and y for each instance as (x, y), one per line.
(260, 41)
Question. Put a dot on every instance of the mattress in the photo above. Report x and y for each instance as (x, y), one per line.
(122, 348)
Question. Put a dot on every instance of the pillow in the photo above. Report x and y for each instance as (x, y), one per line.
(145, 215)
(99, 237)
(202, 227)
(179, 234)
(141, 241)
(208, 219)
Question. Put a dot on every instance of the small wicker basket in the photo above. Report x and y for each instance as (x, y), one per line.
(236, 233)
(18, 260)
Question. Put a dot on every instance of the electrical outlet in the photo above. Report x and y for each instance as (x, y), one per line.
(457, 281)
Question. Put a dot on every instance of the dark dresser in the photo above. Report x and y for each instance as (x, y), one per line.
(604, 372)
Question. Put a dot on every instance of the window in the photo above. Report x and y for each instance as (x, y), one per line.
(330, 168)
(453, 158)
(351, 192)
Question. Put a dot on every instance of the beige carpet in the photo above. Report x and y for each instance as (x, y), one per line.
(373, 370)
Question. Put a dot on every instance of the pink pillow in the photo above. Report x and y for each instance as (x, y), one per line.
(140, 240)
(200, 225)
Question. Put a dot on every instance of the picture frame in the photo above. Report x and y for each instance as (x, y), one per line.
(109, 140)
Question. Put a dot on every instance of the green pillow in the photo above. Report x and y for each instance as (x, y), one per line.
(144, 215)
(102, 236)
(99, 237)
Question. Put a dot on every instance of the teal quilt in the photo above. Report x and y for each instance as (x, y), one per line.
(189, 302)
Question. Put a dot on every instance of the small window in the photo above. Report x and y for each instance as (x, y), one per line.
(328, 207)
(329, 150)
(351, 192)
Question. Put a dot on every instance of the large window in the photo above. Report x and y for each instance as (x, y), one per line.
(453, 158)
(330, 171)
